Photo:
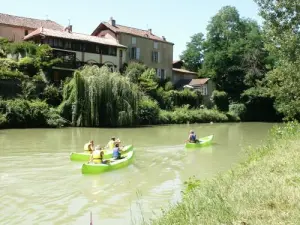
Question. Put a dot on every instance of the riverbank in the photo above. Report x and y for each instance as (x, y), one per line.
(265, 189)
(22, 113)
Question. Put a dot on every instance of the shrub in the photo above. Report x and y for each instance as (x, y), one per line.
(3, 120)
(28, 66)
(237, 109)
(148, 111)
(21, 113)
(220, 99)
(134, 70)
(169, 86)
(28, 90)
(8, 64)
(186, 96)
(10, 74)
(52, 95)
(186, 115)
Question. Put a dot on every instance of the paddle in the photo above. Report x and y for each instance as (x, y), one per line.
(91, 219)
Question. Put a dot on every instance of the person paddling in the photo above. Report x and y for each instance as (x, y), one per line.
(89, 146)
(98, 156)
(111, 143)
(117, 152)
(192, 137)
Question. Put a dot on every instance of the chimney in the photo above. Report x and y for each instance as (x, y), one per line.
(69, 28)
(163, 37)
(112, 21)
(150, 31)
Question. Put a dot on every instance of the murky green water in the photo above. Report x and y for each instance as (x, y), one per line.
(40, 185)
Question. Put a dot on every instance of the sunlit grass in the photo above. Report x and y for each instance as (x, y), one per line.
(265, 189)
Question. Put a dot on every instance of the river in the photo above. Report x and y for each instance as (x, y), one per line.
(40, 185)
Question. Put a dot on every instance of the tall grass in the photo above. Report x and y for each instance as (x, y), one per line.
(265, 189)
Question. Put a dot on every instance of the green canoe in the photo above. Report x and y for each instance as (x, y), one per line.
(202, 142)
(85, 156)
(93, 168)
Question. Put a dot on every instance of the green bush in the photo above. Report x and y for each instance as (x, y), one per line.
(3, 120)
(220, 99)
(8, 63)
(134, 70)
(28, 66)
(164, 99)
(186, 115)
(238, 109)
(21, 113)
(148, 111)
(11, 74)
(169, 86)
(52, 95)
(186, 96)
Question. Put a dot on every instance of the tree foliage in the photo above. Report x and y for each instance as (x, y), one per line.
(282, 35)
(234, 56)
(101, 98)
(193, 55)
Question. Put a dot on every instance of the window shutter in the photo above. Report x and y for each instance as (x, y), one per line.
(152, 56)
(158, 73)
(158, 57)
(138, 53)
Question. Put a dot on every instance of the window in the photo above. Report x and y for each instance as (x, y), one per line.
(97, 49)
(112, 51)
(155, 56)
(68, 45)
(203, 89)
(135, 53)
(55, 42)
(121, 53)
(60, 43)
(133, 40)
(162, 74)
(155, 45)
(26, 32)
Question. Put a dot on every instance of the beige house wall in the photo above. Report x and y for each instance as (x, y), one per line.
(146, 47)
(13, 33)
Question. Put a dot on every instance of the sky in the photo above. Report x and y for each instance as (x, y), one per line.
(176, 21)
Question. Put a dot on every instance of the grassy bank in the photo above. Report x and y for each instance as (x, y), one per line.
(265, 189)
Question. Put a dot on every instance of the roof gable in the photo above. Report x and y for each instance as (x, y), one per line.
(73, 36)
(28, 22)
(129, 30)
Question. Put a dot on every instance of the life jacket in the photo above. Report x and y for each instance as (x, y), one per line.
(87, 147)
(96, 154)
(193, 137)
(111, 144)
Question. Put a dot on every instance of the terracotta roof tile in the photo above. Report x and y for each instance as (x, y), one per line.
(73, 36)
(183, 71)
(130, 30)
(28, 22)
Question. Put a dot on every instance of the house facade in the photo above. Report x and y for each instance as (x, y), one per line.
(143, 46)
(15, 28)
(77, 49)
(182, 78)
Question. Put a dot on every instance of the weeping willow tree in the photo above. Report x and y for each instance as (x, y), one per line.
(98, 97)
